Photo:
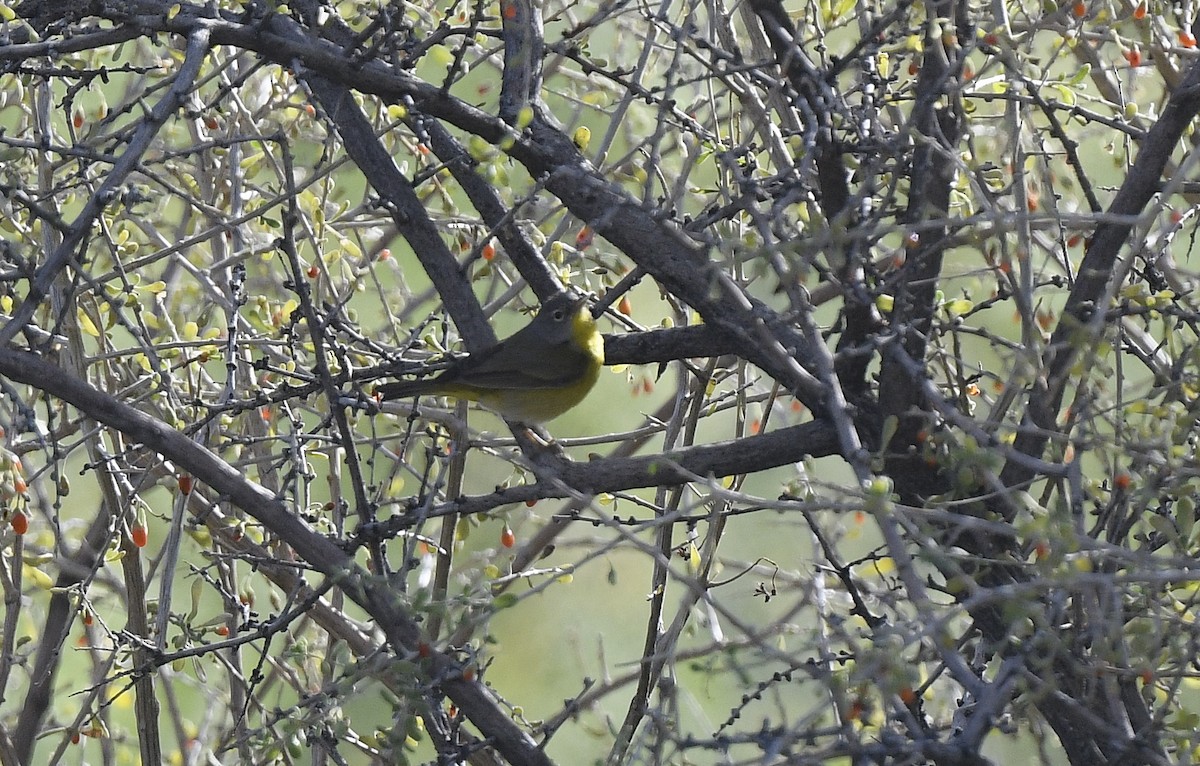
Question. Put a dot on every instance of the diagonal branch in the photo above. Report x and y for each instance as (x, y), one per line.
(373, 595)
(1092, 289)
(39, 286)
(816, 438)
(680, 265)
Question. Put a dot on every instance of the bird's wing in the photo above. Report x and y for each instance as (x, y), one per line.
(524, 371)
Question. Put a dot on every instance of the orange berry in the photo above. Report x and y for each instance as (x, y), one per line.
(385, 254)
(222, 630)
(583, 240)
(139, 535)
(489, 251)
(1122, 480)
(185, 483)
(1186, 39)
(1079, 9)
(509, 10)
(1139, 13)
(1133, 56)
(19, 522)
(907, 695)
(77, 119)
(624, 306)
(313, 271)
(507, 538)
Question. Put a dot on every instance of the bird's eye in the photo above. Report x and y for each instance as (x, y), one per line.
(559, 315)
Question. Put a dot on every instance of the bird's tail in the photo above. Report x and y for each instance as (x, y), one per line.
(402, 389)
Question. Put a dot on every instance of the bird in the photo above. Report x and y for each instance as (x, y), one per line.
(538, 373)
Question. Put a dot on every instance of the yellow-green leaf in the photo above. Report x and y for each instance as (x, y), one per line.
(86, 324)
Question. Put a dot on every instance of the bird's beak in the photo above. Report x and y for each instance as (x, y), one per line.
(579, 302)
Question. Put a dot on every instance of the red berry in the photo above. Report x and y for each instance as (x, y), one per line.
(583, 240)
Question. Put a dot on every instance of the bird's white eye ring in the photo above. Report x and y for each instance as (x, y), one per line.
(559, 315)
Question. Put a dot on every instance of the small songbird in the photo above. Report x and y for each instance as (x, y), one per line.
(534, 375)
